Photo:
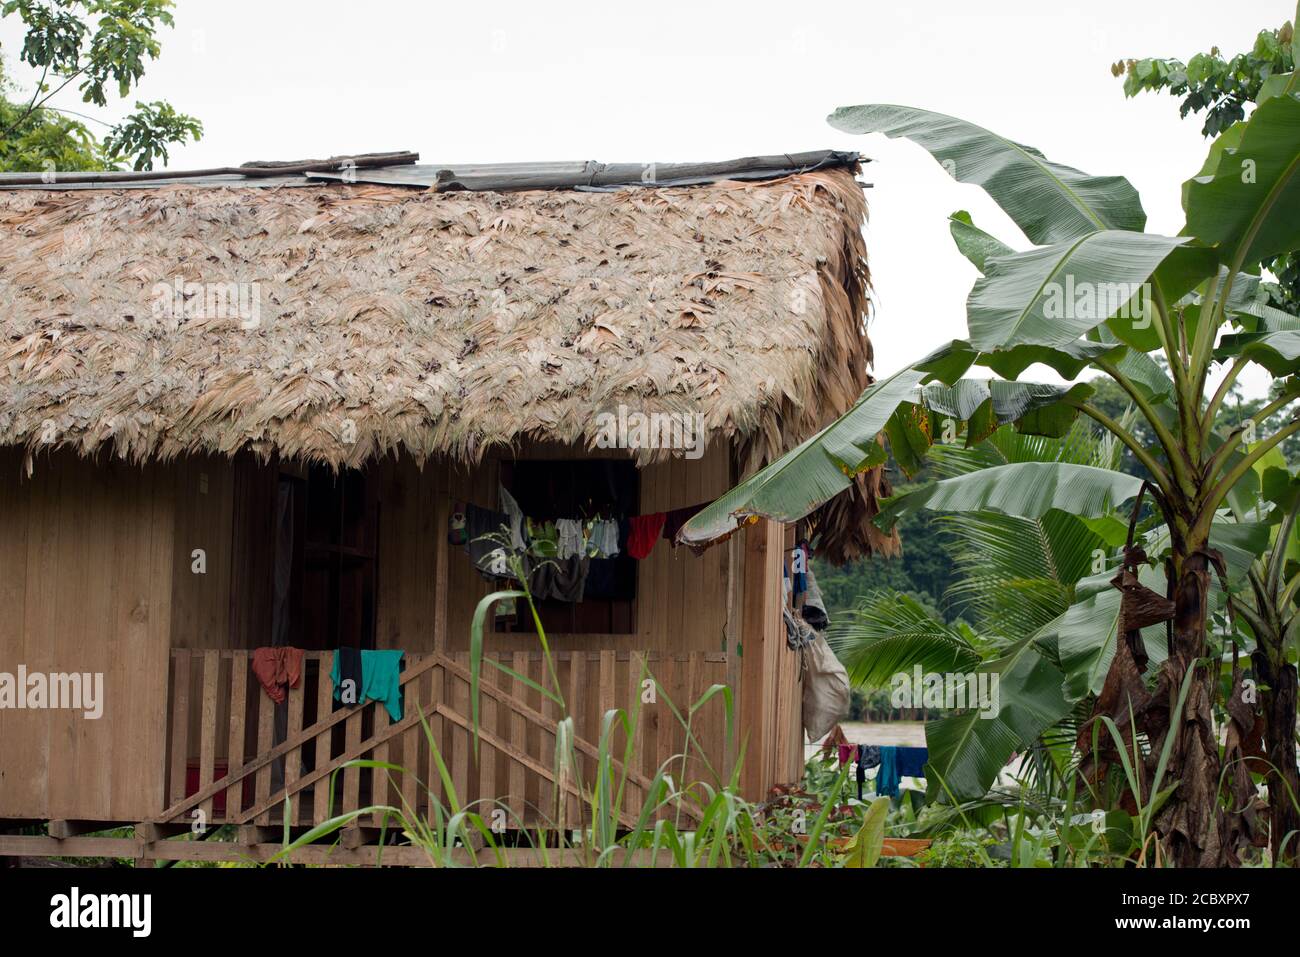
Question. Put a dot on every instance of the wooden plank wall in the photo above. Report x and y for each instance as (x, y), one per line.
(85, 578)
(95, 563)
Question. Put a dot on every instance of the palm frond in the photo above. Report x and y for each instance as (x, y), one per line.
(889, 633)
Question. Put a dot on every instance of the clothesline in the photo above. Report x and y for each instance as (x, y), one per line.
(603, 534)
(567, 559)
(895, 762)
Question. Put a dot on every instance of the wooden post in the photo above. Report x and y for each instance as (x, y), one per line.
(238, 715)
(322, 809)
(762, 637)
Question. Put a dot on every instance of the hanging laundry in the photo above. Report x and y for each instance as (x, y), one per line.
(381, 671)
(277, 670)
(869, 756)
(563, 579)
(643, 532)
(603, 538)
(347, 663)
(887, 778)
(912, 761)
(678, 517)
(570, 579)
(845, 753)
(898, 763)
(569, 538)
(602, 579)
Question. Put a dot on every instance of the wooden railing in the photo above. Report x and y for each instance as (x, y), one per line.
(234, 756)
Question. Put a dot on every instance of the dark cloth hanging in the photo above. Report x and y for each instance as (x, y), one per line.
(678, 517)
(868, 758)
(563, 579)
(568, 583)
(277, 670)
(602, 579)
(487, 553)
(348, 663)
(912, 761)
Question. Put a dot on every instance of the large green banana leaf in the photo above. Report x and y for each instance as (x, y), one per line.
(1247, 204)
(1020, 489)
(1278, 352)
(975, 244)
(825, 464)
(1051, 203)
(952, 361)
(1068, 359)
(1051, 295)
(967, 750)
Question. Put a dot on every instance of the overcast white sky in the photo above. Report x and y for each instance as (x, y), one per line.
(548, 80)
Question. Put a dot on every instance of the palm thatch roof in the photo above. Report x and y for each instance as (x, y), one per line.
(338, 322)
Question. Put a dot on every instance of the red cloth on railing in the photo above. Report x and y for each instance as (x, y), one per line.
(278, 669)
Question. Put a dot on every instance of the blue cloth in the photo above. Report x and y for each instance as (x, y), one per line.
(899, 763)
(887, 777)
(911, 762)
(380, 680)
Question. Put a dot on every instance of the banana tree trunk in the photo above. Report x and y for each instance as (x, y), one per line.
(1278, 679)
(1191, 825)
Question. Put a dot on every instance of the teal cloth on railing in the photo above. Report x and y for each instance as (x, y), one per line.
(381, 675)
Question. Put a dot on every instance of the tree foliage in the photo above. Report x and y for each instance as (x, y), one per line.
(1222, 88)
(102, 47)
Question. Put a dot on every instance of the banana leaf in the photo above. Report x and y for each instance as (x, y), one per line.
(1051, 203)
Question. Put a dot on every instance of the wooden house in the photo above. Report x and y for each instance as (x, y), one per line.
(238, 408)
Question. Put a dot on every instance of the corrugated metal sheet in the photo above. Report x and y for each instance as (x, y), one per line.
(497, 177)
(506, 177)
(297, 179)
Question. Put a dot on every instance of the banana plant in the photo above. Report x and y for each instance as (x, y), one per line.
(1269, 607)
(1096, 292)
(1020, 556)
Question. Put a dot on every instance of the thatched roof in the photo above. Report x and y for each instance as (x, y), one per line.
(432, 322)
